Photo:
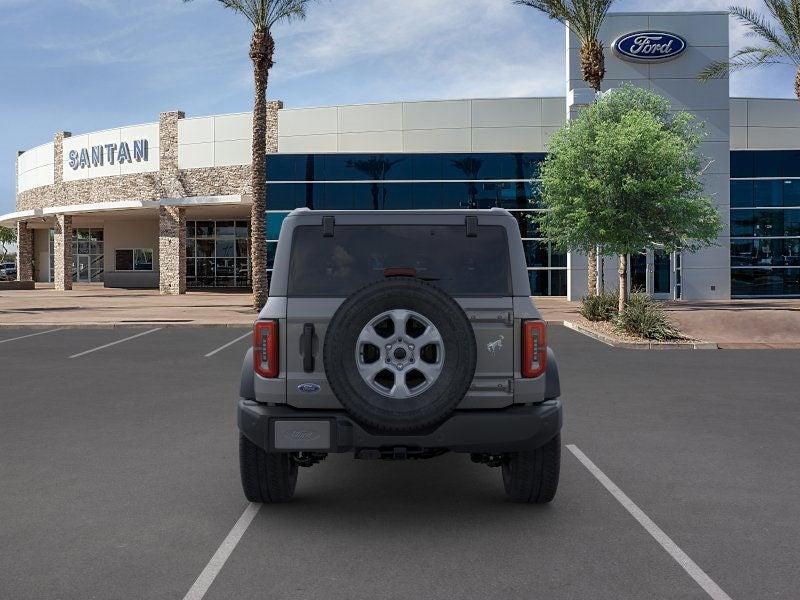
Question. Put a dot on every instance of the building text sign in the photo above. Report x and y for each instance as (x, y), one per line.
(649, 46)
(109, 154)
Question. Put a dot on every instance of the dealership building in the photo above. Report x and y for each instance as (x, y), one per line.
(166, 204)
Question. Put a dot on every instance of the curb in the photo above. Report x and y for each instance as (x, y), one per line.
(640, 345)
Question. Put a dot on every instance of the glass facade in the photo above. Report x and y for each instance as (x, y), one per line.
(218, 254)
(765, 223)
(418, 181)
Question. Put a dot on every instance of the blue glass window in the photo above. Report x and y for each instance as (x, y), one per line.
(742, 164)
(768, 193)
(281, 167)
(791, 192)
(427, 195)
(285, 196)
(426, 166)
(765, 282)
(338, 196)
(741, 194)
(274, 224)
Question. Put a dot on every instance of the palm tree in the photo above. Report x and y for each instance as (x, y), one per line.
(780, 41)
(263, 15)
(584, 19)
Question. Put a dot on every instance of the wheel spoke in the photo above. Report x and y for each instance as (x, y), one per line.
(429, 370)
(399, 318)
(370, 370)
(370, 336)
(429, 336)
(400, 387)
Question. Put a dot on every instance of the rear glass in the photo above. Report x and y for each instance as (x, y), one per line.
(360, 254)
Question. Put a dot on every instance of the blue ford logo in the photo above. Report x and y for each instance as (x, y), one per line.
(308, 388)
(649, 46)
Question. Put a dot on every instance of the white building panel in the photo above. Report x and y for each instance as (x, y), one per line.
(698, 29)
(308, 121)
(371, 141)
(767, 138)
(739, 138)
(554, 111)
(690, 94)
(370, 117)
(233, 127)
(302, 144)
(773, 113)
(738, 109)
(234, 152)
(196, 131)
(195, 156)
(438, 140)
(445, 114)
(507, 139)
(508, 112)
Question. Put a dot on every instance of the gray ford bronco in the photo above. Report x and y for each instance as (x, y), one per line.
(397, 335)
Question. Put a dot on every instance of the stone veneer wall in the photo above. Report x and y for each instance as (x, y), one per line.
(24, 252)
(62, 251)
(172, 250)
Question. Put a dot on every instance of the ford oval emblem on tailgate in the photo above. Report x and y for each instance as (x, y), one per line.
(308, 388)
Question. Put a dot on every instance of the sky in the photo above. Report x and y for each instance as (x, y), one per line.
(86, 65)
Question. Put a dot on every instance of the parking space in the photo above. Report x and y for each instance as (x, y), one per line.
(120, 479)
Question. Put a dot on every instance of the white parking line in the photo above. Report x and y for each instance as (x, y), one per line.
(231, 343)
(115, 343)
(694, 571)
(22, 337)
(214, 566)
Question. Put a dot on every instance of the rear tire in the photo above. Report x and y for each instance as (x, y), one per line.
(266, 477)
(532, 476)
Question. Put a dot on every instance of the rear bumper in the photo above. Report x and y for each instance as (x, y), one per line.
(286, 429)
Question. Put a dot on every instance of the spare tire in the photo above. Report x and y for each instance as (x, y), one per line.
(400, 355)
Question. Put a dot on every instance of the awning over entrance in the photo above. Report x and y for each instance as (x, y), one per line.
(11, 219)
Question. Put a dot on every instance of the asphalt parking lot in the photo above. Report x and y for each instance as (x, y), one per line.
(119, 479)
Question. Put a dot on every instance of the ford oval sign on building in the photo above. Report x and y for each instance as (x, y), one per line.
(649, 46)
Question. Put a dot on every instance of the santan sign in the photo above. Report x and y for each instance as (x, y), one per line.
(649, 46)
(97, 156)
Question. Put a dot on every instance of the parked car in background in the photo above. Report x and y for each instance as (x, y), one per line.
(8, 271)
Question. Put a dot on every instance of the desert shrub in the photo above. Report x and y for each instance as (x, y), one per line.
(601, 307)
(644, 317)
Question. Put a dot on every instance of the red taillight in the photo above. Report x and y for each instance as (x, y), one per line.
(265, 348)
(534, 348)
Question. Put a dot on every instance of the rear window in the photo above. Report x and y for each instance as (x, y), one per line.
(359, 254)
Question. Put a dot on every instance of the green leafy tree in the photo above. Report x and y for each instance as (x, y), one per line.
(626, 174)
(778, 40)
(8, 236)
(263, 15)
(584, 19)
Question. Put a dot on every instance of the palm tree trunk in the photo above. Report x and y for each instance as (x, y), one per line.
(593, 67)
(593, 70)
(797, 84)
(623, 282)
(261, 52)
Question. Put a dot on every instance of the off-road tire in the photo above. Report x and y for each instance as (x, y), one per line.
(431, 406)
(266, 477)
(532, 476)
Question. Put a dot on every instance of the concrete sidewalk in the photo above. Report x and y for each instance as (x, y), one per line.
(732, 324)
(93, 305)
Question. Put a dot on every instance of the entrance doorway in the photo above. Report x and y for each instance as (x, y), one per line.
(87, 252)
(652, 272)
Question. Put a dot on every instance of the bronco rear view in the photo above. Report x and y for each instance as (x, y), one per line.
(395, 335)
